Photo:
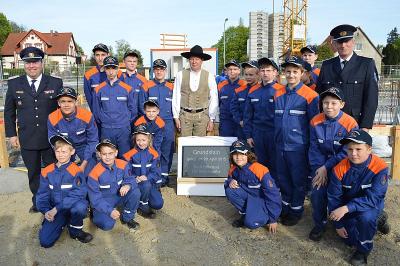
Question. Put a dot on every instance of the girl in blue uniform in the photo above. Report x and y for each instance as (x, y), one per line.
(145, 163)
(252, 190)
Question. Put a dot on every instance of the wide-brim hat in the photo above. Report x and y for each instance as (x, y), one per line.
(196, 51)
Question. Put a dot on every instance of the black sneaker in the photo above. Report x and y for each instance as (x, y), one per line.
(383, 224)
(239, 222)
(316, 234)
(132, 224)
(83, 237)
(149, 214)
(290, 220)
(358, 258)
(282, 217)
(33, 209)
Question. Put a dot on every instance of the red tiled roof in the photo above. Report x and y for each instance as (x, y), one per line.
(55, 43)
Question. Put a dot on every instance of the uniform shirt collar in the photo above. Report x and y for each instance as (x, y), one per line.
(37, 83)
(347, 59)
(268, 84)
(296, 88)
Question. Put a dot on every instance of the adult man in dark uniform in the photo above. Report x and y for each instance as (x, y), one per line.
(29, 101)
(355, 75)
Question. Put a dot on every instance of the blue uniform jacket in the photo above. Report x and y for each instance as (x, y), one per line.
(93, 77)
(80, 127)
(238, 102)
(145, 162)
(294, 110)
(226, 90)
(360, 187)
(139, 85)
(60, 187)
(104, 184)
(162, 93)
(114, 106)
(156, 128)
(260, 106)
(325, 134)
(264, 196)
(315, 73)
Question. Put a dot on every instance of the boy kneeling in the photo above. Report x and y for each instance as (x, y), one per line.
(110, 185)
(62, 196)
(356, 195)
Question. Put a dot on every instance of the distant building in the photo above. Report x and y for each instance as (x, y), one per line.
(59, 47)
(266, 35)
(363, 46)
(258, 39)
(275, 36)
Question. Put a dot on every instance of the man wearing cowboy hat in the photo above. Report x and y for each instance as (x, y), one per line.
(195, 96)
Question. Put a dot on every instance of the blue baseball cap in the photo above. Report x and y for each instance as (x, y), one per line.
(110, 61)
(240, 146)
(267, 61)
(251, 63)
(232, 63)
(309, 48)
(358, 136)
(62, 138)
(333, 91)
(294, 61)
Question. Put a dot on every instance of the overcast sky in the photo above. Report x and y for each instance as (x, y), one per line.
(141, 22)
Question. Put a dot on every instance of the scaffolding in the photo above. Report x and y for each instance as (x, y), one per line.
(295, 26)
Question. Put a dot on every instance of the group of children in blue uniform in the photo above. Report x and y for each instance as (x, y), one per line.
(296, 144)
(283, 140)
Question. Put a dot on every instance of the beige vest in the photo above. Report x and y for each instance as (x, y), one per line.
(198, 99)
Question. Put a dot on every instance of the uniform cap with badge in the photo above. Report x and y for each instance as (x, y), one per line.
(358, 136)
(240, 146)
(31, 54)
(151, 103)
(100, 47)
(159, 63)
(141, 129)
(268, 61)
(251, 63)
(131, 53)
(293, 61)
(332, 91)
(232, 63)
(309, 48)
(62, 138)
(343, 33)
(110, 61)
(105, 142)
(67, 91)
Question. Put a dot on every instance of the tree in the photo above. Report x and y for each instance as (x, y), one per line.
(324, 52)
(17, 27)
(392, 36)
(122, 46)
(79, 50)
(5, 29)
(236, 45)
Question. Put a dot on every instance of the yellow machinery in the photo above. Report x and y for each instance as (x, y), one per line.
(295, 26)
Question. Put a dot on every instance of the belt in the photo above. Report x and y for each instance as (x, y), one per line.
(193, 110)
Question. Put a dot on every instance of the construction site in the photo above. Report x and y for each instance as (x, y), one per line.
(191, 230)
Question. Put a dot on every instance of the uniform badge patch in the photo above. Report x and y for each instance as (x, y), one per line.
(19, 102)
(270, 183)
(19, 92)
(49, 91)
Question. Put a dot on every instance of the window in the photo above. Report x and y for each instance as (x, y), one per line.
(38, 45)
(27, 45)
(358, 47)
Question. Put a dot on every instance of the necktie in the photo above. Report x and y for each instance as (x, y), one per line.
(33, 88)
(344, 63)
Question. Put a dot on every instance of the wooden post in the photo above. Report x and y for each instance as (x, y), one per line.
(395, 172)
(4, 163)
